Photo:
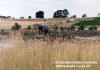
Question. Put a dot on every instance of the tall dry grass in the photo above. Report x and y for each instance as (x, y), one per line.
(40, 55)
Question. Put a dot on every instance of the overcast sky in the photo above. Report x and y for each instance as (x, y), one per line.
(25, 8)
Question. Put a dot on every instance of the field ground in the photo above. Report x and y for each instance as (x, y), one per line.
(8, 23)
(17, 54)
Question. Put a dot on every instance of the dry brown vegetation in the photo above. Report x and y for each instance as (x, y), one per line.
(8, 23)
(16, 54)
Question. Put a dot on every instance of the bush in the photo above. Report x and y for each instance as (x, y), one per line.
(35, 27)
(55, 27)
(72, 28)
(81, 28)
(92, 28)
(68, 29)
(68, 21)
(65, 28)
(29, 27)
(95, 28)
(2, 30)
(62, 29)
(16, 26)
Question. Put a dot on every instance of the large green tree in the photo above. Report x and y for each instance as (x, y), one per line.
(61, 13)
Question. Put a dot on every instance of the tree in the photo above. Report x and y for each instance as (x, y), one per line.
(21, 17)
(29, 17)
(98, 14)
(81, 28)
(3, 17)
(40, 14)
(84, 16)
(8, 17)
(61, 14)
(65, 13)
(29, 27)
(74, 16)
(16, 26)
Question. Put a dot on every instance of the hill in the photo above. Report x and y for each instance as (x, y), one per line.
(8, 23)
(95, 21)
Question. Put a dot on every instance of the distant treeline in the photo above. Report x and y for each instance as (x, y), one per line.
(57, 14)
(40, 14)
(6, 17)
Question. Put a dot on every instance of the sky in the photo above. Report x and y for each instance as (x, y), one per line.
(25, 8)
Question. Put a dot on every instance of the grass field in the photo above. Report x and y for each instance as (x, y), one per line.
(96, 21)
(8, 23)
(17, 54)
(42, 55)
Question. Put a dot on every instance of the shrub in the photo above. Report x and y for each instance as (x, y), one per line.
(81, 28)
(92, 28)
(55, 27)
(68, 29)
(95, 28)
(29, 27)
(35, 27)
(2, 30)
(60, 22)
(65, 28)
(16, 26)
(72, 28)
(68, 21)
(62, 29)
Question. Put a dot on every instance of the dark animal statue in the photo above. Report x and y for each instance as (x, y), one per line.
(43, 29)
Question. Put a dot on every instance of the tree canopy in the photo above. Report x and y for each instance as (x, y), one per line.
(40, 14)
(61, 14)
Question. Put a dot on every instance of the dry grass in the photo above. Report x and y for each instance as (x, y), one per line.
(8, 23)
(40, 55)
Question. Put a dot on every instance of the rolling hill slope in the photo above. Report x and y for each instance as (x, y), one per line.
(96, 22)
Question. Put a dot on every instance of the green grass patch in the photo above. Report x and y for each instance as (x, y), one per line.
(96, 21)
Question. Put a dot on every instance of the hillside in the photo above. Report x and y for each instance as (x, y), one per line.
(8, 23)
(96, 21)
